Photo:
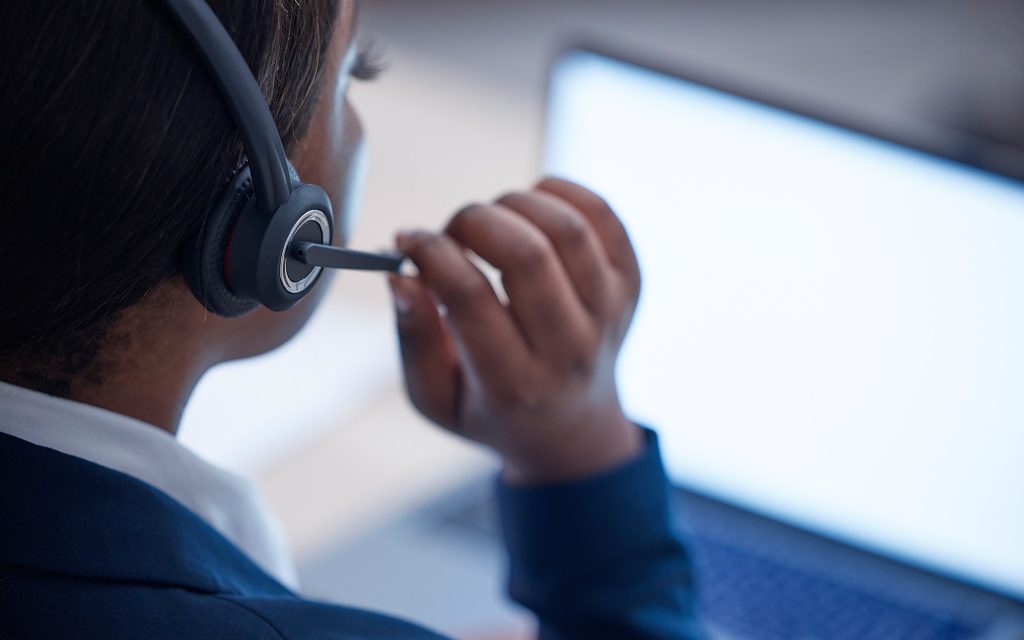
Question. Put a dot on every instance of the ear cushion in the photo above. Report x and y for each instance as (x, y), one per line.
(294, 175)
(204, 255)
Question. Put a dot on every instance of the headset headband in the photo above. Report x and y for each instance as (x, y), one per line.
(271, 248)
(244, 99)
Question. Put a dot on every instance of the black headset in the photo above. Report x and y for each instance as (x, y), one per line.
(268, 238)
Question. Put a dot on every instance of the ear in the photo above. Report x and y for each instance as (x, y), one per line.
(204, 255)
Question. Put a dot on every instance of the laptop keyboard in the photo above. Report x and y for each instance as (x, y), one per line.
(754, 597)
(749, 587)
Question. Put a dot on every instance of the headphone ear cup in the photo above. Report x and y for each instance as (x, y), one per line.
(204, 255)
(293, 175)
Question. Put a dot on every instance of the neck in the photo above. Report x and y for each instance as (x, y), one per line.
(156, 396)
(144, 365)
(153, 373)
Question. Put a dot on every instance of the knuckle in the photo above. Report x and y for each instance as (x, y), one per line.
(511, 199)
(466, 216)
(570, 230)
(553, 318)
(578, 192)
(596, 200)
(581, 367)
(466, 293)
(423, 243)
(634, 284)
(518, 395)
(589, 199)
(552, 183)
(530, 255)
(622, 307)
(597, 282)
(580, 359)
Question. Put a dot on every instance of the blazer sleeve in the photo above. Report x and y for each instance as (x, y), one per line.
(599, 558)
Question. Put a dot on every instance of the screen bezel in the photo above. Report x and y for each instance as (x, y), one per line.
(948, 149)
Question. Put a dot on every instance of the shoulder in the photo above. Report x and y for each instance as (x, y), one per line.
(41, 606)
(298, 618)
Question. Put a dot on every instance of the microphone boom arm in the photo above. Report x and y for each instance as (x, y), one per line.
(331, 257)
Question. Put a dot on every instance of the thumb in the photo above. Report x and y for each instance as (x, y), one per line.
(428, 359)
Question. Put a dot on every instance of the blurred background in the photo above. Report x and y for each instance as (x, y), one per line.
(458, 116)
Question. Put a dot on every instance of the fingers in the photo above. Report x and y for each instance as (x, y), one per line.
(607, 225)
(534, 377)
(483, 331)
(574, 239)
(572, 281)
(541, 296)
(428, 357)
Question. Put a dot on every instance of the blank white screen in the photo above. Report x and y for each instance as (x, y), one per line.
(832, 327)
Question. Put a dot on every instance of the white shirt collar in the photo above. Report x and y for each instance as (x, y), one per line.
(230, 504)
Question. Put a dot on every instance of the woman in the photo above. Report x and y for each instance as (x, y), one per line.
(113, 530)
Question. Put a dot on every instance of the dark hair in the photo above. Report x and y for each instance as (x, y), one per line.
(116, 146)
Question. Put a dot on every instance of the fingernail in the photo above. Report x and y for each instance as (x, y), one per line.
(403, 296)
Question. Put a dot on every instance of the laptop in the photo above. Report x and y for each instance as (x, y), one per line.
(830, 344)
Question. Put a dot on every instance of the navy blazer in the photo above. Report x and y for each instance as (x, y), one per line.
(88, 552)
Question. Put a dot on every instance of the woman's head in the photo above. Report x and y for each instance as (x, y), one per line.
(118, 145)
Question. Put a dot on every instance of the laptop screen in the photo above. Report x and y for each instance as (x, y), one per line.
(831, 330)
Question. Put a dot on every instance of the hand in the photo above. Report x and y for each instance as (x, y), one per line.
(534, 378)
